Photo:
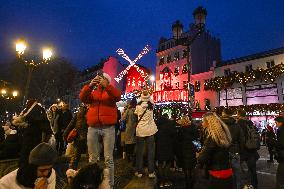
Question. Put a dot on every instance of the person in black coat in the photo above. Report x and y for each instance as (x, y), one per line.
(214, 155)
(279, 156)
(248, 156)
(65, 116)
(270, 139)
(37, 131)
(2, 134)
(187, 134)
(10, 147)
(164, 148)
(236, 147)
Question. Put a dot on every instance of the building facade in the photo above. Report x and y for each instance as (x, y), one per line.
(172, 68)
(254, 91)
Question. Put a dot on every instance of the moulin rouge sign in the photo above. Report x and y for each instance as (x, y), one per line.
(171, 95)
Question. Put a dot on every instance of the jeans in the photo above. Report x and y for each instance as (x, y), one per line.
(236, 166)
(150, 141)
(108, 137)
(252, 175)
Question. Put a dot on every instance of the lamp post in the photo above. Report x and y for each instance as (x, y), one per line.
(199, 15)
(21, 46)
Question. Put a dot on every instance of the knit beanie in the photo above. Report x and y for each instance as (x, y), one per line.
(42, 154)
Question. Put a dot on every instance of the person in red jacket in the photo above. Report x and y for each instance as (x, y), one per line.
(101, 119)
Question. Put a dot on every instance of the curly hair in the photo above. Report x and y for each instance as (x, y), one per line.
(217, 130)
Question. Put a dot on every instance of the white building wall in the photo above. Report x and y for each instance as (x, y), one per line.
(241, 67)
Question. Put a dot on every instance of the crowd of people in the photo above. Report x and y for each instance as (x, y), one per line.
(218, 149)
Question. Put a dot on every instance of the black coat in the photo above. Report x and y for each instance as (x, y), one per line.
(10, 147)
(165, 139)
(34, 134)
(186, 149)
(246, 153)
(213, 156)
(270, 138)
(280, 145)
(237, 135)
(64, 119)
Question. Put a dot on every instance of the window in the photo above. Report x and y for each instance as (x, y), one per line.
(197, 86)
(162, 61)
(231, 97)
(262, 94)
(248, 68)
(168, 45)
(169, 58)
(270, 64)
(185, 84)
(177, 85)
(176, 56)
(227, 72)
(184, 53)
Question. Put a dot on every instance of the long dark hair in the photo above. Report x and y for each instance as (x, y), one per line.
(91, 175)
(26, 175)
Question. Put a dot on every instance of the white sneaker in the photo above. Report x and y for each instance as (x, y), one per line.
(139, 175)
(152, 175)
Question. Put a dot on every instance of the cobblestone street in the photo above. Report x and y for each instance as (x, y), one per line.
(266, 176)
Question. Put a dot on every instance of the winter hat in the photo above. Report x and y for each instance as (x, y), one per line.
(42, 154)
(107, 77)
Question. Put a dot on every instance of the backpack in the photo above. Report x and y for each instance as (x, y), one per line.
(252, 140)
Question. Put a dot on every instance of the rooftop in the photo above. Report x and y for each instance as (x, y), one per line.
(253, 56)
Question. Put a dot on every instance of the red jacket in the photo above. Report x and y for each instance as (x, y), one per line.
(102, 110)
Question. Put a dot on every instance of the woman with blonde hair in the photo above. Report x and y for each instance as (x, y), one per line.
(215, 152)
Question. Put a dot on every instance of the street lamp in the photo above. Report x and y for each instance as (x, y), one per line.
(199, 15)
(15, 94)
(21, 46)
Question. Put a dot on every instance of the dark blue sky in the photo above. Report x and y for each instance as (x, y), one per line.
(85, 31)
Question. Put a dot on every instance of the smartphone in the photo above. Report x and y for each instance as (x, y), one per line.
(197, 145)
(100, 73)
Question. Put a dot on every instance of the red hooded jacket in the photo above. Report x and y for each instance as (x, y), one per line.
(102, 110)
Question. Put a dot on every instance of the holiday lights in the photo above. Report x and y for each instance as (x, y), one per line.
(268, 75)
(170, 96)
(251, 109)
(132, 63)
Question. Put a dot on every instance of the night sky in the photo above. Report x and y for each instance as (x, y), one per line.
(84, 31)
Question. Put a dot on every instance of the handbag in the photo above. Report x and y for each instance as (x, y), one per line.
(72, 135)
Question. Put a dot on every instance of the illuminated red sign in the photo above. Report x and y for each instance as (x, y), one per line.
(172, 95)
